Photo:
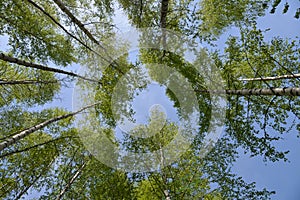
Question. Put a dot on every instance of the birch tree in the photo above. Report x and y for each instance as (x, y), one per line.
(18, 136)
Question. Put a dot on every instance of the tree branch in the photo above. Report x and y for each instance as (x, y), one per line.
(76, 21)
(34, 146)
(62, 27)
(25, 82)
(41, 67)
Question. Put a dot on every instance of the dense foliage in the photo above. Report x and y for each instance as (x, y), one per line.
(41, 148)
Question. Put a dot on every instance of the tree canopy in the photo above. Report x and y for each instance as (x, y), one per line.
(242, 95)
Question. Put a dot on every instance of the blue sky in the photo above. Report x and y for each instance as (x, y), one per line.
(283, 177)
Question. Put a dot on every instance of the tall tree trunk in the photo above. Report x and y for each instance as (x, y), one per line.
(271, 91)
(257, 92)
(26, 132)
(163, 20)
(107, 57)
(34, 146)
(61, 26)
(271, 78)
(61, 194)
(164, 177)
(41, 67)
(77, 22)
(141, 13)
(163, 13)
(25, 82)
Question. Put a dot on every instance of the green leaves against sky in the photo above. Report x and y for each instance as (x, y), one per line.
(43, 40)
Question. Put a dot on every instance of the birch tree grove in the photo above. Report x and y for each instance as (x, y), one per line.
(76, 88)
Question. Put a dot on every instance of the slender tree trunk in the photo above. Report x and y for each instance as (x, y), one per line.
(257, 92)
(25, 82)
(272, 91)
(34, 146)
(163, 20)
(163, 13)
(26, 132)
(107, 57)
(272, 78)
(41, 67)
(165, 179)
(61, 194)
(61, 26)
(77, 22)
(141, 13)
